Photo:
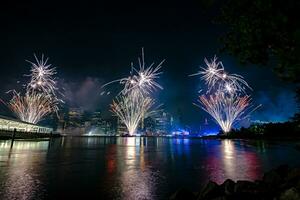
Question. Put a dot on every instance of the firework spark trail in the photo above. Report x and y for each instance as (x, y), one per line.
(215, 75)
(225, 110)
(142, 79)
(235, 83)
(212, 73)
(225, 99)
(31, 107)
(133, 104)
(40, 97)
(131, 108)
(43, 80)
(42, 76)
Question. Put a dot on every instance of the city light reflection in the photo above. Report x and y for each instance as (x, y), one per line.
(136, 179)
(231, 160)
(22, 177)
(129, 167)
(136, 184)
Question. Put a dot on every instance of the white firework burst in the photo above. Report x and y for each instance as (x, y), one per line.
(42, 76)
(225, 109)
(32, 107)
(131, 108)
(39, 99)
(216, 77)
(142, 78)
(225, 99)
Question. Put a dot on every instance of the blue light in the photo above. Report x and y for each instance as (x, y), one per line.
(180, 132)
(209, 132)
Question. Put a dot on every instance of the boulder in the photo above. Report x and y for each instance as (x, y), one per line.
(183, 194)
(282, 171)
(290, 194)
(298, 185)
(228, 187)
(272, 179)
(210, 190)
(281, 183)
(293, 175)
(245, 187)
(221, 198)
(263, 190)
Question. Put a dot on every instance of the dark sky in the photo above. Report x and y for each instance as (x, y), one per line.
(93, 43)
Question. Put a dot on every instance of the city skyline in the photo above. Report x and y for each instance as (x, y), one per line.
(150, 100)
(104, 42)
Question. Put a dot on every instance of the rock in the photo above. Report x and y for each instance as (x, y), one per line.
(245, 187)
(210, 191)
(282, 171)
(290, 194)
(281, 183)
(220, 198)
(263, 189)
(228, 187)
(183, 194)
(293, 175)
(298, 185)
(272, 179)
(292, 180)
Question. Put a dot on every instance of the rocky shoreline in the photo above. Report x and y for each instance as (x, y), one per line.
(282, 183)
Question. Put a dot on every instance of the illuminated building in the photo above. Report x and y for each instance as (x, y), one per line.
(100, 126)
(96, 118)
(61, 122)
(121, 128)
(164, 123)
(9, 124)
(75, 117)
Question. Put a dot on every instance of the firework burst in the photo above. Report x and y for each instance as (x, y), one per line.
(225, 109)
(31, 107)
(40, 97)
(225, 99)
(142, 79)
(134, 104)
(131, 108)
(215, 75)
(42, 76)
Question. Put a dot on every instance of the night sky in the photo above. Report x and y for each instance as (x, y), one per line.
(94, 43)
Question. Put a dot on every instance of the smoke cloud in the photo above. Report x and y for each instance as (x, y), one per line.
(87, 94)
(276, 107)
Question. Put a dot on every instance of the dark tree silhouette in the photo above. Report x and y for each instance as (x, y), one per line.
(264, 32)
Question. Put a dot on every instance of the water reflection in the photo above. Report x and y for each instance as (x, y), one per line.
(130, 168)
(22, 171)
(23, 145)
(234, 160)
(136, 180)
(229, 158)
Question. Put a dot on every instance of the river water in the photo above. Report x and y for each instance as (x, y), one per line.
(131, 168)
